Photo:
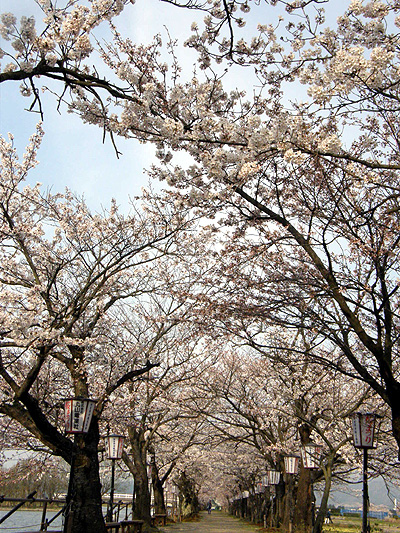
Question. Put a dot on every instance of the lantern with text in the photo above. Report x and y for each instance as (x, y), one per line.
(291, 464)
(363, 433)
(115, 445)
(363, 430)
(78, 415)
(310, 455)
(272, 477)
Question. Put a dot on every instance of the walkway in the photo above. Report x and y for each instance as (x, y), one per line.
(216, 522)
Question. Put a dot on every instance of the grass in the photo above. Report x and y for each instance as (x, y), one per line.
(353, 525)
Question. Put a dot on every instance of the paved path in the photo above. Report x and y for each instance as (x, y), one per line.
(216, 522)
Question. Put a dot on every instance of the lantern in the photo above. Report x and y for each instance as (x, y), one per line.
(272, 477)
(363, 430)
(78, 414)
(310, 455)
(259, 488)
(291, 464)
(115, 444)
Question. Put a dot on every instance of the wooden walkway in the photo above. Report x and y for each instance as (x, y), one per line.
(216, 522)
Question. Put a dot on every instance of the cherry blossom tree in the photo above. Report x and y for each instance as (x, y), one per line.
(308, 187)
(46, 474)
(63, 271)
(161, 426)
(267, 410)
(304, 193)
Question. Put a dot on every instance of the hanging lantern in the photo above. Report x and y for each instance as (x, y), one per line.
(363, 430)
(272, 477)
(259, 488)
(115, 445)
(310, 455)
(78, 414)
(291, 464)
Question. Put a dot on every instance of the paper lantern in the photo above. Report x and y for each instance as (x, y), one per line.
(115, 445)
(78, 414)
(363, 430)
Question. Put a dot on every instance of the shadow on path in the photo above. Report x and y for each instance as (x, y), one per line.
(216, 522)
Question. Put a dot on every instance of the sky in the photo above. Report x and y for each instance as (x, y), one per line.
(73, 154)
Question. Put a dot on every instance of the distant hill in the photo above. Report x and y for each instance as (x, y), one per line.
(379, 495)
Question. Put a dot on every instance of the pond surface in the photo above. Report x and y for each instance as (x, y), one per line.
(27, 521)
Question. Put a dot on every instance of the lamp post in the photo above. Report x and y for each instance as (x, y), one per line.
(78, 414)
(363, 434)
(291, 463)
(310, 455)
(115, 445)
(271, 479)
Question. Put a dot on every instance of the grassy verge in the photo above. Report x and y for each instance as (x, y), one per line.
(353, 525)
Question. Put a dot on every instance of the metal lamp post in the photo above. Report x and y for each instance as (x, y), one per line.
(115, 445)
(78, 414)
(363, 433)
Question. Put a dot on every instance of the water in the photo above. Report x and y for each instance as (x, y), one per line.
(27, 521)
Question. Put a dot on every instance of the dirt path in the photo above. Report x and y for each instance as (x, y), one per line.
(216, 522)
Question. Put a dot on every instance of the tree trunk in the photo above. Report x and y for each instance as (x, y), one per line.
(142, 500)
(288, 503)
(279, 504)
(85, 513)
(158, 489)
(302, 519)
(189, 502)
(327, 469)
(395, 406)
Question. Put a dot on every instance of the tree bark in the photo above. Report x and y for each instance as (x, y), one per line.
(85, 513)
(188, 500)
(142, 500)
(278, 507)
(302, 518)
(288, 503)
(158, 489)
(327, 469)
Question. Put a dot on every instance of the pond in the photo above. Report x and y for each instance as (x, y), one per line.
(28, 520)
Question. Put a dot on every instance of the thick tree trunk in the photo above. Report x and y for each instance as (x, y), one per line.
(288, 503)
(142, 496)
(142, 499)
(85, 514)
(279, 504)
(158, 489)
(302, 518)
(189, 502)
(395, 405)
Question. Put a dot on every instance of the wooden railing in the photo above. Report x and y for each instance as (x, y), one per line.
(119, 508)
